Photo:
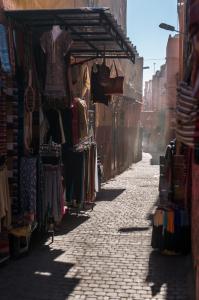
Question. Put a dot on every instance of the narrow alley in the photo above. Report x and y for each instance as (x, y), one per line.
(103, 254)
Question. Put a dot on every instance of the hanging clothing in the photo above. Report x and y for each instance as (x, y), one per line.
(5, 201)
(56, 130)
(79, 120)
(80, 80)
(28, 188)
(55, 85)
(74, 170)
(80, 173)
(171, 230)
(51, 202)
(10, 97)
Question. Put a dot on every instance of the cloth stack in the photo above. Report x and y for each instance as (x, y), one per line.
(171, 230)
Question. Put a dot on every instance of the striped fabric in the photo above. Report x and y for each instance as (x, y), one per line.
(187, 115)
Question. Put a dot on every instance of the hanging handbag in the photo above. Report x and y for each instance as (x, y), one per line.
(104, 73)
(114, 85)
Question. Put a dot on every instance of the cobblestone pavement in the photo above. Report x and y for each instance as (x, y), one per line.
(103, 254)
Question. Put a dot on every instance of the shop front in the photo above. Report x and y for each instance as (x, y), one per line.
(55, 65)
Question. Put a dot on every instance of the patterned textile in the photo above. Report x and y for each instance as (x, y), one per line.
(28, 186)
(4, 55)
(187, 115)
(12, 141)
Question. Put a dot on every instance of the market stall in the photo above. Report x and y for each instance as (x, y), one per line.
(48, 82)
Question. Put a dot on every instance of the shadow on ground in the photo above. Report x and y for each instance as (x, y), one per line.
(71, 222)
(133, 229)
(40, 276)
(109, 194)
(170, 272)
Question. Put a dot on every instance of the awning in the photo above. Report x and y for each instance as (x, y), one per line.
(94, 31)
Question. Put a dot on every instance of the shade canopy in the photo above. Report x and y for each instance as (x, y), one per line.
(94, 31)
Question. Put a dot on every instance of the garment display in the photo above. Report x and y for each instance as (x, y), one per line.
(60, 129)
(9, 134)
(53, 194)
(80, 174)
(171, 230)
(80, 80)
(28, 188)
(171, 224)
(5, 202)
(51, 202)
(79, 121)
(55, 50)
(46, 155)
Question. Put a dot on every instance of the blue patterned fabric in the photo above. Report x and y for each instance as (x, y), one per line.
(4, 55)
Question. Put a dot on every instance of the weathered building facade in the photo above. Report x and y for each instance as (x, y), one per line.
(172, 62)
(160, 101)
(153, 114)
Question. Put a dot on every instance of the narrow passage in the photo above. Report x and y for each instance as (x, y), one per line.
(103, 254)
